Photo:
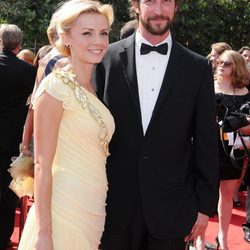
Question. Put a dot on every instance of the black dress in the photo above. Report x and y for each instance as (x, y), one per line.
(227, 171)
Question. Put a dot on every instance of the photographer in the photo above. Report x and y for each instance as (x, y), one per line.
(245, 52)
(231, 92)
(246, 226)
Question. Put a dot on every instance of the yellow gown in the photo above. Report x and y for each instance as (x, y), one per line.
(79, 174)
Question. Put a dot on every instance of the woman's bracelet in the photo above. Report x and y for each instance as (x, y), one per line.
(23, 147)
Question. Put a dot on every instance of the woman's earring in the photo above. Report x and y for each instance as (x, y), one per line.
(68, 45)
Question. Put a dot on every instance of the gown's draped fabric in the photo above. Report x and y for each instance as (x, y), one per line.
(79, 174)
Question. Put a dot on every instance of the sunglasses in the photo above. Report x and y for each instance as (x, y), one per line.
(225, 64)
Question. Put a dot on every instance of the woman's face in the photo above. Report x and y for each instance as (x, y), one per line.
(246, 55)
(225, 66)
(88, 38)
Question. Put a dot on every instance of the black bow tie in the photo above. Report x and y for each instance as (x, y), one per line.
(161, 49)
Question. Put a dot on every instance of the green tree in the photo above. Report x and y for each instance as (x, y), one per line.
(121, 11)
(32, 16)
(198, 24)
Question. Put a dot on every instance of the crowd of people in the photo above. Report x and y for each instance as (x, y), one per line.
(16, 84)
(231, 80)
(118, 163)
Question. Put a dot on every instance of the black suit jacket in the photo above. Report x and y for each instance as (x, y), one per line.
(173, 169)
(16, 83)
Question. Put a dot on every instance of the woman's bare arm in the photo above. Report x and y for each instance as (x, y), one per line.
(47, 117)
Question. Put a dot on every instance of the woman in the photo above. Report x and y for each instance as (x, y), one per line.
(216, 50)
(47, 58)
(231, 92)
(72, 129)
(245, 52)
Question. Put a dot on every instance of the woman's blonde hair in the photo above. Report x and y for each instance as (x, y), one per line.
(51, 30)
(240, 74)
(71, 10)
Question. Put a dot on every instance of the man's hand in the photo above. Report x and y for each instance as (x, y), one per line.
(199, 227)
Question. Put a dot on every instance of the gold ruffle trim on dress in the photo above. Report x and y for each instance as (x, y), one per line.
(69, 79)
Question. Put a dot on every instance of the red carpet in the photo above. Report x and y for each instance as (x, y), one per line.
(235, 239)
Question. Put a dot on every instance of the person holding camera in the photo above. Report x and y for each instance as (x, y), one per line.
(245, 52)
(246, 225)
(231, 94)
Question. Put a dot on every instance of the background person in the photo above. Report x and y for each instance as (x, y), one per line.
(41, 53)
(72, 129)
(162, 184)
(27, 55)
(216, 50)
(245, 52)
(16, 83)
(45, 61)
(231, 93)
(246, 225)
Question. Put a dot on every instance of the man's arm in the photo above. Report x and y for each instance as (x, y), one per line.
(206, 155)
(206, 146)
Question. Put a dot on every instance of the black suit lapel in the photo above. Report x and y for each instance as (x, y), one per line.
(173, 70)
(128, 61)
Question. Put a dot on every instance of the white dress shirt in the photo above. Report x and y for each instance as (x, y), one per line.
(150, 69)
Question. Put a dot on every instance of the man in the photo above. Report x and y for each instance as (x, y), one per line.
(245, 52)
(16, 83)
(162, 171)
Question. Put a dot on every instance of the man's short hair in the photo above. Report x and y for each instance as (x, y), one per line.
(132, 12)
(11, 37)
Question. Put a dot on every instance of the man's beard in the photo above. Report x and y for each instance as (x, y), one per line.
(157, 30)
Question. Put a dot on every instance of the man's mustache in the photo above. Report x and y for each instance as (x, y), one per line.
(158, 17)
